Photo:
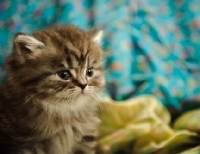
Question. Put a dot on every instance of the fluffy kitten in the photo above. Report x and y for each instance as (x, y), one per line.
(48, 102)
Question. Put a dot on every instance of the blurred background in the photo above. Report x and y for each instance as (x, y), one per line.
(152, 46)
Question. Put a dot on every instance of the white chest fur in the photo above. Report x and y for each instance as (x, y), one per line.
(80, 121)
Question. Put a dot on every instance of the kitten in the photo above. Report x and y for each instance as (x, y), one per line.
(48, 102)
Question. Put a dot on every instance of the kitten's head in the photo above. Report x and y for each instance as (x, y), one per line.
(60, 62)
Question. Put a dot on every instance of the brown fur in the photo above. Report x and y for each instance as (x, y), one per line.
(41, 113)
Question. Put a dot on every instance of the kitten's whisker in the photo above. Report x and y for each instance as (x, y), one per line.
(99, 104)
(57, 100)
(94, 97)
(69, 93)
(72, 94)
(70, 90)
(100, 107)
(100, 98)
(92, 91)
(91, 87)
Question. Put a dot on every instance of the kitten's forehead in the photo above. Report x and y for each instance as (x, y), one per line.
(72, 61)
(72, 44)
(65, 37)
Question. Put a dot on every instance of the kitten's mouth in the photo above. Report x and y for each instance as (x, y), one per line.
(80, 94)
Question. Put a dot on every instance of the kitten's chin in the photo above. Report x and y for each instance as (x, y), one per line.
(81, 94)
(83, 100)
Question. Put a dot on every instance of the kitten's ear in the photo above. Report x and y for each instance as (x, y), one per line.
(25, 43)
(96, 35)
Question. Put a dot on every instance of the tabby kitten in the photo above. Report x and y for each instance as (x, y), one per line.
(48, 102)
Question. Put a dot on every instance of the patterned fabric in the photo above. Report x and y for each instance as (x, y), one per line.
(152, 45)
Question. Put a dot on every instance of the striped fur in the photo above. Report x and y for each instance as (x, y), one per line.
(40, 113)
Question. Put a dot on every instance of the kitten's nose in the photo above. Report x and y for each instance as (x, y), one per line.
(82, 86)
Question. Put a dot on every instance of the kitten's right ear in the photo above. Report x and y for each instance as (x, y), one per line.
(26, 44)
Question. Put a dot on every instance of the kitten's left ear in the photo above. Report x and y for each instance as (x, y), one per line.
(96, 35)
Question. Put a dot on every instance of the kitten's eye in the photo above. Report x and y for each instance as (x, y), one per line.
(65, 75)
(89, 72)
